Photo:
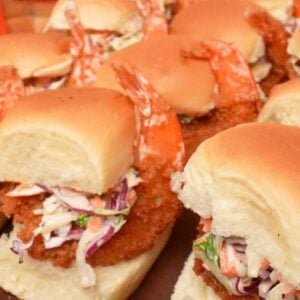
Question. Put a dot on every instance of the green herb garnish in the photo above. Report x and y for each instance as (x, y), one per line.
(185, 119)
(82, 220)
(209, 249)
(110, 49)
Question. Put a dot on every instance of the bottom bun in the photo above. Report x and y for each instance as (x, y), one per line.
(41, 280)
(189, 286)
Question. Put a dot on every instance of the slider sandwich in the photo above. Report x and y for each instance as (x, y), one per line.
(283, 105)
(41, 60)
(87, 189)
(192, 82)
(27, 16)
(244, 184)
(262, 40)
(115, 23)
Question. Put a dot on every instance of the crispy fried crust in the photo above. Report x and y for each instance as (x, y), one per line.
(156, 209)
(220, 119)
(276, 41)
(219, 289)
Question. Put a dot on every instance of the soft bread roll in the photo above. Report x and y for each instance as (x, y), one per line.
(187, 84)
(219, 20)
(16, 8)
(283, 105)
(115, 15)
(76, 138)
(41, 8)
(35, 280)
(36, 55)
(19, 24)
(247, 178)
(189, 286)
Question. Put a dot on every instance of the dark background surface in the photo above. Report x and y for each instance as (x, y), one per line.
(160, 280)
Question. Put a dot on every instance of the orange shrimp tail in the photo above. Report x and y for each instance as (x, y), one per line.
(87, 58)
(3, 25)
(233, 75)
(276, 42)
(296, 10)
(160, 136)
(155, 21)
(11, 88)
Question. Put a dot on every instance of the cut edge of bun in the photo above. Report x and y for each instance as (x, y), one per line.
(41, 280)
(189, 286)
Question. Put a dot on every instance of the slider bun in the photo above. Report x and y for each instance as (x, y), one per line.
(189, 286)
(76, 138)
(115, 15)
(15, 8)
(283, 105)
(37, 280)
(187, 84)
(36, 55)
(41, 8)
(26, 24)
(247, 178)
(218, 20)
(19, 24)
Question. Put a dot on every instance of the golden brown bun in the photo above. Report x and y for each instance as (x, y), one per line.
(187, 84)
(283, 105)
(189, 286)
(115, 15)
(77, 138)
(36, 55)
(16, 8)
(20, 24)
(218, 20)
(41, 8)
(39, 23)
(35, 280)
(247, 178)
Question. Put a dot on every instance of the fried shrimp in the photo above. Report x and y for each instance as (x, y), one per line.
(276, 42)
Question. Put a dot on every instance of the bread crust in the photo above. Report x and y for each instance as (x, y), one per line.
(218, 20)
(36, 55)
(246, 179)
(98, 15)
(283, 104)
(68, 137)
(187, 84)
(36, 280)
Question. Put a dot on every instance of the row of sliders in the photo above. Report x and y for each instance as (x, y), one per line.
(91, 176)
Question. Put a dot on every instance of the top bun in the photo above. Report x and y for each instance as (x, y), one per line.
(247, 178)
(187, 84)
(36, 55)
(114, 15)
(75, 138)
(283, 105)
(15, 8)
(219, 20)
